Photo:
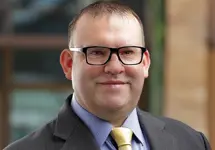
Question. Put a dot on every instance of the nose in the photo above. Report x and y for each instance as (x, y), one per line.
(114, 66)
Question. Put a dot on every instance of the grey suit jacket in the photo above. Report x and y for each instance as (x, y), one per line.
(68, 132)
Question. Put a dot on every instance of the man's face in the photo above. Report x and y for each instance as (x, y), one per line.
(124, 82)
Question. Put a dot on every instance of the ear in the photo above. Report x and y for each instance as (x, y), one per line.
(66, 61)
(146, 63)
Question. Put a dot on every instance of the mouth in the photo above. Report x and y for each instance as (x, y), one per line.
(113, 83)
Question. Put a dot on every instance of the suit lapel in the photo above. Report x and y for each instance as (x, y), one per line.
(81, 139)
(70, 128)
(158, 138)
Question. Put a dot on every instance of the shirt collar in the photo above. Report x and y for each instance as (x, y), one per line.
(132, 122)
(101, 128)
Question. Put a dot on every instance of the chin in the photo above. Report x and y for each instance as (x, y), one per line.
(114, 103)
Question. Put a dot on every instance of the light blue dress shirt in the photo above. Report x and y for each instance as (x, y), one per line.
(101, 128)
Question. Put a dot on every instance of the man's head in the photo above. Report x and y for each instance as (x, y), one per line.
(109, 89)
(100, 9)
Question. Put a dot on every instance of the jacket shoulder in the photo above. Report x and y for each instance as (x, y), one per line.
(182, 132)
(36, 140)
(170, 124)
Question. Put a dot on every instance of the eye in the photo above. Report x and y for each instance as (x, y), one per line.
(96, 52)
(127, 52)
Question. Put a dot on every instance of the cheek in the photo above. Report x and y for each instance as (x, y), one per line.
(88, 74)
(92, 72)
(136, 75)
(135, 72)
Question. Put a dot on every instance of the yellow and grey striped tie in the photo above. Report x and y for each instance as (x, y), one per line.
(122, 137)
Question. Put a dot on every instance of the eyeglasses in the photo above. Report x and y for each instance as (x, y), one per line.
(98, 55)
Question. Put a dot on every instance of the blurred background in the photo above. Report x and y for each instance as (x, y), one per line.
(180, 36)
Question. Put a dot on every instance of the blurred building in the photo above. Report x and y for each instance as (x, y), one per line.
(179, 34)
(190, 64)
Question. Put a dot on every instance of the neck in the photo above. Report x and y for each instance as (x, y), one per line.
(118, 123)
(115, 118)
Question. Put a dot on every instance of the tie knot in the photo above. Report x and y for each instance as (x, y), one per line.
(122, 136)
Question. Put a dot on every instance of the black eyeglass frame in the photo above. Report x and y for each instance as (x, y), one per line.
(112, 50)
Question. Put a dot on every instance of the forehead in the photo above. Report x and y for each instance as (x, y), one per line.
(109, 30)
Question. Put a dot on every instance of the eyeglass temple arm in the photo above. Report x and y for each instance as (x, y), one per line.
(75, 49)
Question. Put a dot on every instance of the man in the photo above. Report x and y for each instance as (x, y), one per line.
(107, 62)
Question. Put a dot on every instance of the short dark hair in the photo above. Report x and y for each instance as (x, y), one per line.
(102, 8)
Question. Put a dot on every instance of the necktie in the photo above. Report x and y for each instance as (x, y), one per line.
(122, 137)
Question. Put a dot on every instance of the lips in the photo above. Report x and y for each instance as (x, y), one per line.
(112, 82)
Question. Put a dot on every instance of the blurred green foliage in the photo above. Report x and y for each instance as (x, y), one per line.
(157, 56)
